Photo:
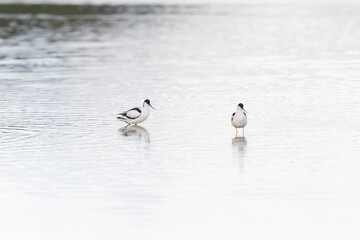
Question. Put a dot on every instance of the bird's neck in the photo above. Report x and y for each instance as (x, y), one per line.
(146, 107)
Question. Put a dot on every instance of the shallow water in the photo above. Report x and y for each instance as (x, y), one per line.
(69, 169)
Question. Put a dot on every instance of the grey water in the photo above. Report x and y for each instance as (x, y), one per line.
(70, 170)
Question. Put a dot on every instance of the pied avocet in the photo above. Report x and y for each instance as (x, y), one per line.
(239, 118)
(136, 115)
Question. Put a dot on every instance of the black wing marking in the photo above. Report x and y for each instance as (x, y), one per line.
(132, 113)
(232, 116)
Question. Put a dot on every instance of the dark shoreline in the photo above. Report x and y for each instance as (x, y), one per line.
(78, 9)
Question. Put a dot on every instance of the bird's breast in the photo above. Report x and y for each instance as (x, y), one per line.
(239, 120)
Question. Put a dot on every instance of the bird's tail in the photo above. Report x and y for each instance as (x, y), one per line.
(121, 117)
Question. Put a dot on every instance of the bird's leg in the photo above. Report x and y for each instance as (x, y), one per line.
(236, 132)
(128, 124)
(243, 132)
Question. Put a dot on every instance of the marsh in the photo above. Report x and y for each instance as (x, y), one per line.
(69, 170)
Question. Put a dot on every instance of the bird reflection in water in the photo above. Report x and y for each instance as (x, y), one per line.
(239, 150)
(240, 143)
(136, 131)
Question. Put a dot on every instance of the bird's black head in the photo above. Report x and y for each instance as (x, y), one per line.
(241, 106)
(147, 101)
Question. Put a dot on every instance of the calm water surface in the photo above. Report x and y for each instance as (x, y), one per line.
(69, 170)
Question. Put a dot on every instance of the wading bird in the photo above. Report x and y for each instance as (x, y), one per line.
(136, 115)
(239, 118)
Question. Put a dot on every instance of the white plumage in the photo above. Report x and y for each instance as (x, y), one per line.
(132, 113)
(136, 115)
(239, 118)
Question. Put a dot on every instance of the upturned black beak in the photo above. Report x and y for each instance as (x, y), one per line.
(152, 107)
(244, 110)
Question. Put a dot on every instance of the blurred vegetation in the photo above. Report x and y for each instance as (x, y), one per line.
(56, 9)
(18, 19)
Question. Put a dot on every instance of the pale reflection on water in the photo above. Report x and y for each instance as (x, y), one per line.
(70, 170)
(136, 131)
(240, 143)
(239, 152)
